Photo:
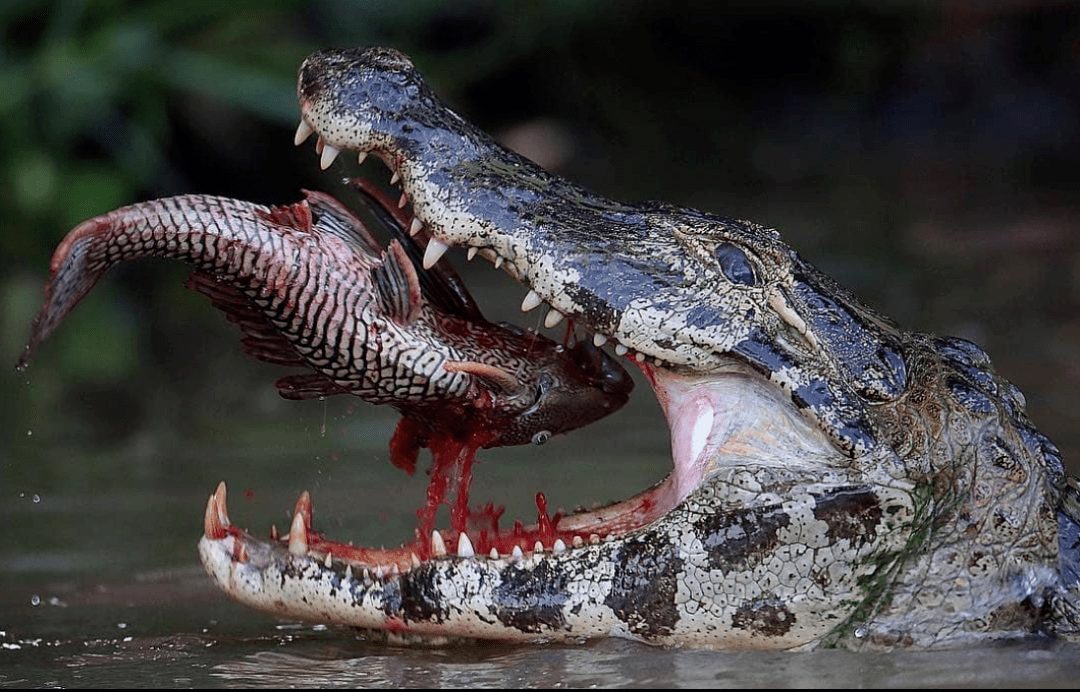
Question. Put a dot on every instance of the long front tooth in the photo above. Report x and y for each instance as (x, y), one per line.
(472, 252)
(415, 226)
(599, 340)
(464, 546)
(532, 299)
(303, 132)
(498, 261)
(212, 526)
(298, 535)
(329, 153)
(435, 250)
(361, 157)
(395, 178)
(553, 318)
(403, 201)
(438, 548)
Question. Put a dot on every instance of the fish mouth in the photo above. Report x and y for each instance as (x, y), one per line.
(730, 416)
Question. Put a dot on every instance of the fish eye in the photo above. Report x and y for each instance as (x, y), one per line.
(734, 264)
(541, 437)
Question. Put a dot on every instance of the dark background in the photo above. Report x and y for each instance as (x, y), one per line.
(925, 154)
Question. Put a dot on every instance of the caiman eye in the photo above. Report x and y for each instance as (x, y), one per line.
(541, 437)
(734, 264)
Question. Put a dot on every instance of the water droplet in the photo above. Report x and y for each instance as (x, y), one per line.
(36, 498)
(29, 433)
(35, 600)
(122, 625)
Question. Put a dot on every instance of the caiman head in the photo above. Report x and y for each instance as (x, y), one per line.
(835, 478)
(678, 289)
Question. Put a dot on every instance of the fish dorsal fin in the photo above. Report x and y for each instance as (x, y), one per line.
(334, 218)
(441, 285)
(295, 216)
(397, 285)
(261, 339)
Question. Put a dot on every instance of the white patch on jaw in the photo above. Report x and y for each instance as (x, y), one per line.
(702, 427)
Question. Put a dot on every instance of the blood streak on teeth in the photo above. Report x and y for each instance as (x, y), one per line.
(438, 548)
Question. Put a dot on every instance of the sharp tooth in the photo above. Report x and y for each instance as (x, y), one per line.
(348, 572)
(435, 249)
(538, 547)
(274, 532)
(599, 340)
(464, 546)
(212, 526)
(553, 318)
(516, 552)
(532, 299)
(438, 548)
(403, 201)
(639, 356)
(415, 559)
(415, 226)
(594, 538)
(303, 132)
(329, 562)
(621, 350)
(498, 261)
(361, 157)
(329, 153)
(303, 508)
(298, 535)
(472, 252)
(578, 541)
(494, 554)
(394, 569)
(658, 361)
(380, 571)
(558, 546)
(395, 178)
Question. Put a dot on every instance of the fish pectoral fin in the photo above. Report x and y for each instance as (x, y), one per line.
(261, 339)
(307, 386)
(397, 285)
(492, 374)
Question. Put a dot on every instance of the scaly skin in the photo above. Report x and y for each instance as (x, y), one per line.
(837, 480)
(309, 286)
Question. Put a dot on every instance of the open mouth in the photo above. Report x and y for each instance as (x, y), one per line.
(729, 416)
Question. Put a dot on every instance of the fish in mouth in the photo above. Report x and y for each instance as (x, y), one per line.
(310, 286)
(836, 480)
